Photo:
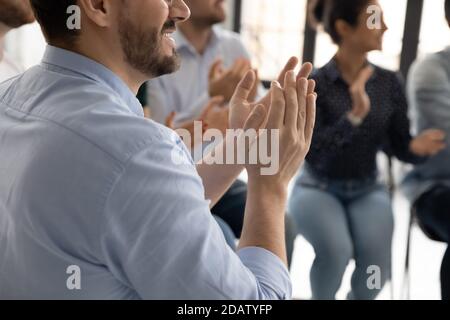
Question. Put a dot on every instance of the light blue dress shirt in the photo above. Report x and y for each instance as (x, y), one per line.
(86, 182)
(429, 98)
(188, 86)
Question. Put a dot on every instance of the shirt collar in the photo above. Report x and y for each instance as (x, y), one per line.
(332, 71)
(93, 70)
(183, 43)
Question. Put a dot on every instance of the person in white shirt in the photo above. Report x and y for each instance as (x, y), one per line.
(13, 14)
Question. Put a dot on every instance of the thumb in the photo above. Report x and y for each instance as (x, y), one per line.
(256, 118)
(215, 68)
(170, 119)
(244, 87)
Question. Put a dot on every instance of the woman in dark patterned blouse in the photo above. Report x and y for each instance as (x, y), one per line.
(337, 202)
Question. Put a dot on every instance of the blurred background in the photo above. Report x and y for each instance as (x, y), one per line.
(275, 30)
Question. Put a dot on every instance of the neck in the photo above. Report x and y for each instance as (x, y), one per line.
(3, 31)
(198, 34)
(111, 58)
(350, 62)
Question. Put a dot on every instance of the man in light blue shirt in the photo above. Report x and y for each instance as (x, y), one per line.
(97, 202)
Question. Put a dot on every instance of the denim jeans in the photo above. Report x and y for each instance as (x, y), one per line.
(344, 220)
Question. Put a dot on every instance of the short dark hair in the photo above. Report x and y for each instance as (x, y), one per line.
(52, 16)
(327, 12)
(447, 10)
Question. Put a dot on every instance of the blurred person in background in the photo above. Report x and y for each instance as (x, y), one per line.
(428, 185)
(213, 60)
(13, 14)
(339, 206)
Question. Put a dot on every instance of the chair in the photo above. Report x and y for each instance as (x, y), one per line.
(406, 290)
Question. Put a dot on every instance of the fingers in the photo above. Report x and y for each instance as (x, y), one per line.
(277, 106)
(435, 134)
(244, 87)
(290, 65)
(239, 68)
(292, 101)
(215, 69)
(435, 141)
(214, 102)
(305, 70)
(302, 92)
(256, 118)
(310, 117)
(311, 86)
(254, 91)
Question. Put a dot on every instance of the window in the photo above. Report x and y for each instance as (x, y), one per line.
(273, 32)
(435, 32)
(395, 12)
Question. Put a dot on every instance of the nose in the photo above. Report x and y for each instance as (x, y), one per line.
(384, 26)
(179, 11)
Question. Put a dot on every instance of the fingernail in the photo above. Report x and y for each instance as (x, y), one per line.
(275, 83)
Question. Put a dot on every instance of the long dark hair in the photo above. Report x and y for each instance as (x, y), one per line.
(327, 12)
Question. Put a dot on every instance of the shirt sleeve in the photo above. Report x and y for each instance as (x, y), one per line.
(161, 240)
(399, 132)
(429, 95)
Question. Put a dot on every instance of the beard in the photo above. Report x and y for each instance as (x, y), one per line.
(15, 13)
(143, 48)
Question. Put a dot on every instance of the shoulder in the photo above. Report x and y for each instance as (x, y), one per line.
(230, 41)
(91, 113)
(227, 36)
(387, 74)
(429, 71)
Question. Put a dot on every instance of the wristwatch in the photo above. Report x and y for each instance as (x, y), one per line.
(354, 120)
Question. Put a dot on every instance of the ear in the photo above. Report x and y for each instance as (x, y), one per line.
(343, 28)
(100, 12)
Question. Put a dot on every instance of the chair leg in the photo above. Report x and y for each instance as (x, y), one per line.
(407, 277)
(392, 280)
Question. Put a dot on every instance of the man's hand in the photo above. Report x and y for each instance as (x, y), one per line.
(241, 105)
(224, 82)
(428, 143)
(213, 103)
(292, 112)
(292, 63)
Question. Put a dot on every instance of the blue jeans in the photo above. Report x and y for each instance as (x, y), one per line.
(344, 220)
